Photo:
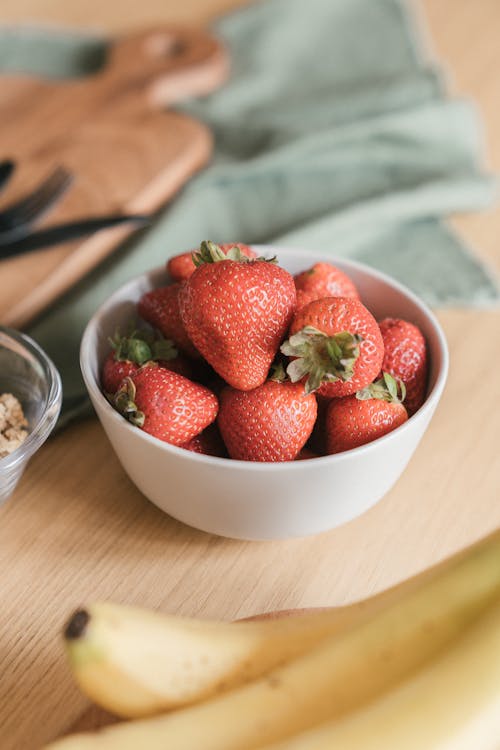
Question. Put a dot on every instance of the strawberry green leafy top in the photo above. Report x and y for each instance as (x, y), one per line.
(210, 252)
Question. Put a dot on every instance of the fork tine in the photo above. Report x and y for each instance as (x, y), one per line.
(42, 197)
(24, 203)
(7, 167)
(37, 203)
(42, 200)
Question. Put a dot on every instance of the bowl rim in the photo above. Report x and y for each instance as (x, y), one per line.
(428, 406)
(44, 425)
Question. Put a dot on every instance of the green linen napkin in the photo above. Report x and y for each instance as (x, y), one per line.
(333, 133)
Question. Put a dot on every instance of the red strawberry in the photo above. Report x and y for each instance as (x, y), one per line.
(325, 280)
(180, 267)
(129, 353)
(160, 308)
(305, 454)
(269, 423)
(181, 365)
(114, 371)
(165, 404)
(406, 358)
(317, 441)
(236, 312)
(303, 298)
(208, 442)
(355, 420)
(336, 342)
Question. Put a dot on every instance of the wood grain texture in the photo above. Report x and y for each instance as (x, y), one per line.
(76, 529)
(109, 129)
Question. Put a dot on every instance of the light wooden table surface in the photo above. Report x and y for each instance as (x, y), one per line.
(76, 529)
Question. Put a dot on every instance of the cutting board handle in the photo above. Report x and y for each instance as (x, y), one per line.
(164, 64)
(113, 131)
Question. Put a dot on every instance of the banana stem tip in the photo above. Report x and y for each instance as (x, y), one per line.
(77, 625)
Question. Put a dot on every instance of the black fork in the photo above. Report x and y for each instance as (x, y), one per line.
(7, 166)
(16, 219)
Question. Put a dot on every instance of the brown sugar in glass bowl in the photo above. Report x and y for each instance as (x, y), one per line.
(30, 377)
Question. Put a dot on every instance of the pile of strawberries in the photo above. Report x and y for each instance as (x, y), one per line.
(245, 361)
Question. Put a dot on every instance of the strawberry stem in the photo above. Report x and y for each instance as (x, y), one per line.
(387, 389)
(278, 372)
(141, 347)
(124, 402)
(163, 349)
(210, 252)
(323, 358)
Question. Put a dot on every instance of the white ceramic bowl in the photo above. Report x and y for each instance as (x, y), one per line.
(260, 501)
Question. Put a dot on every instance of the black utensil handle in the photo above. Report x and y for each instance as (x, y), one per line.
(66, 232)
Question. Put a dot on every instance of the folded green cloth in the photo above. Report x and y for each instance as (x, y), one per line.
(333, 133)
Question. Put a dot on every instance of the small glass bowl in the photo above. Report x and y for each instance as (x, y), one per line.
(27, 373)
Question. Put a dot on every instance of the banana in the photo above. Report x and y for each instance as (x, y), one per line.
(135, 663)
(454, 704)
(338, 675)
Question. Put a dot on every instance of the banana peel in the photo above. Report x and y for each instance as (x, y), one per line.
(137, 663)
(453, 704)
(406, 632)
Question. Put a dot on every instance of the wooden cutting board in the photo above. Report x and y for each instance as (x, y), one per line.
(111, 130)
